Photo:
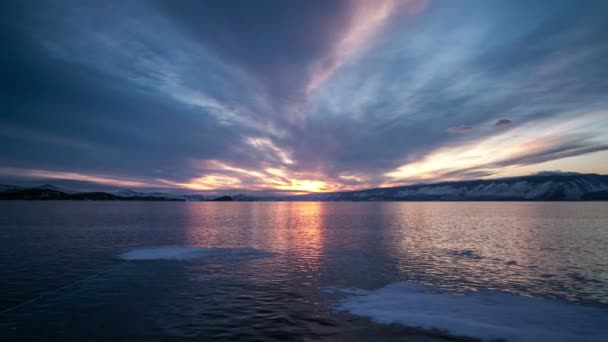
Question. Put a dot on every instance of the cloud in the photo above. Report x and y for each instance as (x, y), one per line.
(503, 122)
(274, 42)
(534, 143)
(314, 95)
(460, 129)
(16, 173)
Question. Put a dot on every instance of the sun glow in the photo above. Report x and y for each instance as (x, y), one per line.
(305, 185)
(221, 176)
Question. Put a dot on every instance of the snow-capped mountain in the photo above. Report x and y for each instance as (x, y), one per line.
(540, 187)
(162, 195)
(546, 186)
(131, 193)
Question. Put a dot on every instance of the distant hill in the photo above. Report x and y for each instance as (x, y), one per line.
(157, 195)
(540, 187)
(223, 199)
(52, 187)
(49, 193)
(547, 186)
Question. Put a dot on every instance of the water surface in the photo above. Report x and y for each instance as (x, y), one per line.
(270, 271)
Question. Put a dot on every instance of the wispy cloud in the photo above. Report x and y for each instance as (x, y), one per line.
(17, 173)
(366, 19)
(460, 129)
(533, 143)
(301, 96)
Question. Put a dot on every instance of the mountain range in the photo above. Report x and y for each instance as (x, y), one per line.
(540, 187)
(546, 186)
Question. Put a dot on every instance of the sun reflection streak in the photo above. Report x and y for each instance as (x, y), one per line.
(293, 229)
(300, 232)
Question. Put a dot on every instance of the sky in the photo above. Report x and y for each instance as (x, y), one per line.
(290, 96)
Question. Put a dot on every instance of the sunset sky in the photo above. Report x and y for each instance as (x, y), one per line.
(300, 96)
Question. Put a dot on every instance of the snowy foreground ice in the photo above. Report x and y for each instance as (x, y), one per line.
(487, 315)
(188, 253)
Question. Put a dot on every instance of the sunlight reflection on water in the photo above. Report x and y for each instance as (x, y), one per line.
(66, 253)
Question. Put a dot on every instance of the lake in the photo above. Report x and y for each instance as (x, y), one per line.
(415, 271)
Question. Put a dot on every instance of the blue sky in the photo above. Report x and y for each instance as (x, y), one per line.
(301, 96)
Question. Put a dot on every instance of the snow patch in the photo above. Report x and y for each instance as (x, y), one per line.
(187, 253)
(539, 190)
(484, 314)
(348, 291)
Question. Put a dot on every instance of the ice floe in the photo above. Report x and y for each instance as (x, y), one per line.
(188, 253)
(487, 315)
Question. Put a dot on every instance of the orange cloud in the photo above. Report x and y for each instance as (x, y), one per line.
(220, 175)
